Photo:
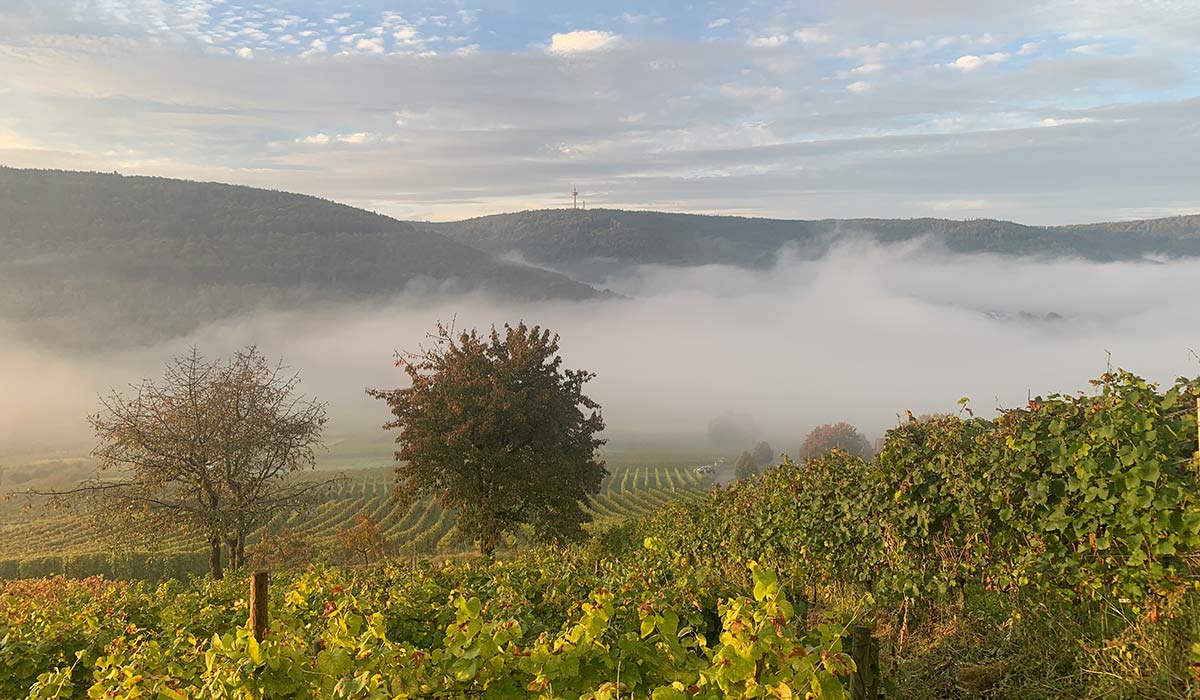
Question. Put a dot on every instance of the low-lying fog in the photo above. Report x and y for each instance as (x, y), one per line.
(859, 336)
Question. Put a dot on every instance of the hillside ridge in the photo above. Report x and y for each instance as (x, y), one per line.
(135, 258)
(567, 238)
(1190, 219)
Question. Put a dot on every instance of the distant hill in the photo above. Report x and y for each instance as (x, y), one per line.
(567, 239)
(102, 258)
(92, 259)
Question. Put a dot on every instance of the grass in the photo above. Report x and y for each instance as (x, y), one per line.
(994, 646)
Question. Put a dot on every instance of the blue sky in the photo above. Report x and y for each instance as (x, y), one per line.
(1044, 111)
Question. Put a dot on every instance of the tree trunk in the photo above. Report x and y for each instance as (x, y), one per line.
(241, 549)
(231, 543)
(487, 543)
(214, 559)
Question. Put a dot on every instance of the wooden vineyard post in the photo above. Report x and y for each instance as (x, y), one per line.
(863, 684)
(258, 603)
(1198, 432)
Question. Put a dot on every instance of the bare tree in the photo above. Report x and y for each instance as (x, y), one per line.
(269, 434)
(212, 449)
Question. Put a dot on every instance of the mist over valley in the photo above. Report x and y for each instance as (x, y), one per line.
(683, 319)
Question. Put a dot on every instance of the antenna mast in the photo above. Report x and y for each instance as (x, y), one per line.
(574, 197)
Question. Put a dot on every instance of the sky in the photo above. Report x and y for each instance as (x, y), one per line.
(1040, 111)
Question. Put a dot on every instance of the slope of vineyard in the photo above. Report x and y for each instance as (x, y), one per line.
(1050, 552)
(612, 618)
(35, 543)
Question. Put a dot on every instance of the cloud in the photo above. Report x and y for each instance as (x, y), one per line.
(718, 23)
(968, 63)
(727, 128)
(1052, 121)
(322, 139)
(582, 41)
(369, 45)
(407, 36)
(971, 62)
(356, 138)
(756, 93)
(770, 41)
(812, 35)
(11, 140)
(1167, 24)
(868, 53)
(244, 52)
(961, 205)
(315, 47)
(858, 87)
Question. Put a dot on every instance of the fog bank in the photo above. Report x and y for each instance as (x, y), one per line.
(860, 336)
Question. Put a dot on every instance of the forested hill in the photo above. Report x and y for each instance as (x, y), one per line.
(109, 258)
(564, 237)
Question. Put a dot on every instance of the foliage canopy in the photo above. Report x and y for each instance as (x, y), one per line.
(745, 467)
(834, 436)
(1080, 496)
(496, 429)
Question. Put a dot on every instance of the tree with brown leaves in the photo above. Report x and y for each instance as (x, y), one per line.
(364, 538)
(497, 430)
(834, 436)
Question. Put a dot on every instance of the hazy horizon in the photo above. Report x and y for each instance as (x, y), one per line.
(860, 335)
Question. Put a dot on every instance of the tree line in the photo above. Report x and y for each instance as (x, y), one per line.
(822, 440)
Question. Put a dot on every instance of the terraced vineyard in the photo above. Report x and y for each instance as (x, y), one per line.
(33, 543)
